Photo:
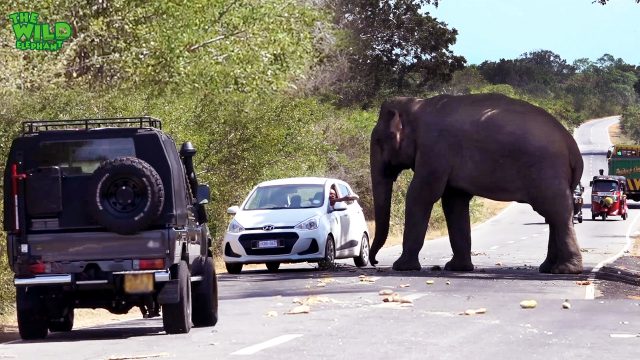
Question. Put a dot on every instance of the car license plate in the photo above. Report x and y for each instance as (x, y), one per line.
(138, 283)
(262, 244)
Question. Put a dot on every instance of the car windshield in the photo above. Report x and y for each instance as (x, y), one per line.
(605, 186)
(297, 196)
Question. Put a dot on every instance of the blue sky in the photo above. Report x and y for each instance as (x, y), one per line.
(573, 29)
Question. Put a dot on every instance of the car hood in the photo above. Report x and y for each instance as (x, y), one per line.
(281, 217)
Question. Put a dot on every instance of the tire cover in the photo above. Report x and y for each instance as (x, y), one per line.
(125, 195)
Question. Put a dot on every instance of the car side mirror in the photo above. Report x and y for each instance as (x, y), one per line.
(204, 194)
(233, 210)
(339, 206)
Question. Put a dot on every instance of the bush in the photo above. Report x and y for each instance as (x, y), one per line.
(630, 123)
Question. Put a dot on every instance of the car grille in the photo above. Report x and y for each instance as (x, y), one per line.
(285, 243)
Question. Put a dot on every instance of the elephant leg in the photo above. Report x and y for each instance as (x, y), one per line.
(563, 251)
(421, 196)
(455, 204)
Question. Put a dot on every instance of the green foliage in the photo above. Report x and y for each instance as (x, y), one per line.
(220, 45)
(630, 123)
(383, 47)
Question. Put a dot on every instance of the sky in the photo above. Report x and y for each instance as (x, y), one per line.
(574, 29)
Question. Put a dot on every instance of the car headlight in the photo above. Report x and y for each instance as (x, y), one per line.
(235, 227)
(309, 224)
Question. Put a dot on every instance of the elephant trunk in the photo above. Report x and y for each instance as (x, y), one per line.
(382, 185)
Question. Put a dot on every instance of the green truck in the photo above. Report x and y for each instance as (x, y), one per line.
(624, 160)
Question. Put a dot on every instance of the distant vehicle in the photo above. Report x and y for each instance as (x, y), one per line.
(578, 202)
(291, 220)
(106, 213)
(624, 160)
(608, 197)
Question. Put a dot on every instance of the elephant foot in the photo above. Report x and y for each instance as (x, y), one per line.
(454, 265)
(568, 267)
(546, 266)
(404, 265)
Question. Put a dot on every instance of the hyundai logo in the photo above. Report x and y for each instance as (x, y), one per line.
(268, 227)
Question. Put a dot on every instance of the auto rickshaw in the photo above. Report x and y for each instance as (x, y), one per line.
(608, 197)
(577, 202)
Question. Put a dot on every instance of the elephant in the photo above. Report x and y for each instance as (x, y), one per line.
(488, 145)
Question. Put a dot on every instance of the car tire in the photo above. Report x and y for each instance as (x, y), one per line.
(580, 219)
(624, 216)
(176, 318)
(233, 268)
(31, 312)
(363, 259)
(603, 216)
(205, 293)
(272, 266)
(64, 324)
(329, 260)
(125, 195)
(593, 217)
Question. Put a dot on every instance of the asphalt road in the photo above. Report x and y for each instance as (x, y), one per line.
(349, 320)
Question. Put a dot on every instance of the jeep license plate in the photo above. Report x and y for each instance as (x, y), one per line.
(262, 244)
(138, 283)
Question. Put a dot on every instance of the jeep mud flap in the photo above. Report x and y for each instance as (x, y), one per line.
(170, 293)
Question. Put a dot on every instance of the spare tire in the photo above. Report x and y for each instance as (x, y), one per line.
(125, 195)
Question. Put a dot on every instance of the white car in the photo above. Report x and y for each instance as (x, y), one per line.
(291, 220)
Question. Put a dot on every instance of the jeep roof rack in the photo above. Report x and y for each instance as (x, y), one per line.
(34, 127)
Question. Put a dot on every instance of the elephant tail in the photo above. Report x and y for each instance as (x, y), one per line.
(577, 166)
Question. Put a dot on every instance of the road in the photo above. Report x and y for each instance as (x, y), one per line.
(349, 320)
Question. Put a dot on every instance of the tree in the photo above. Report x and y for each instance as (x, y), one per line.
(604, 2)
(538, 72)
(219, 45)
(388, 46)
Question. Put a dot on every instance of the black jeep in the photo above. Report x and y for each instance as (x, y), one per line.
(106, 213)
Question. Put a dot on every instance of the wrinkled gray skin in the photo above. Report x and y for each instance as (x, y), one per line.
(459, 146)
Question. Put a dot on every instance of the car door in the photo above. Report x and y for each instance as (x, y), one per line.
(335, 218)
(345, 222)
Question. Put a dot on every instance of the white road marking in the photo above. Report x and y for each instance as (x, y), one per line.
(494, 247)
(250, 350)
(523, 238)
(510, 242)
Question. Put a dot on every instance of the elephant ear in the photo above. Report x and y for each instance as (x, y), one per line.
(395, 126)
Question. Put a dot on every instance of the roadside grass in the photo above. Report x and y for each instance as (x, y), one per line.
(617, 136)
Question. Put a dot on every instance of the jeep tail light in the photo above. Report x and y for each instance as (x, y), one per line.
(150, 264)
(40, 268)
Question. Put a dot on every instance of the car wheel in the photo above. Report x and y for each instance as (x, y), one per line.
(273, 266)
(64, 324)
(176, 318)
(363, 258)
(580, 219)
(593, 217)
(624, 216)
(31, 313)
(233, 268)
(205, 293)
(125, 195)
(329, 260)
(603, 216)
